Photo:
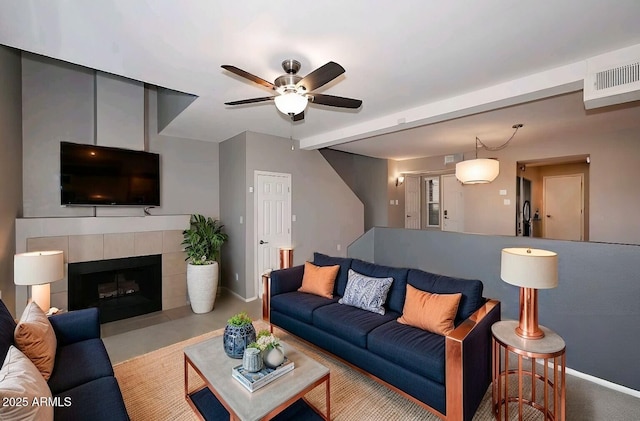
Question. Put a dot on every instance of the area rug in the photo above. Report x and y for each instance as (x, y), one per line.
(153, 388)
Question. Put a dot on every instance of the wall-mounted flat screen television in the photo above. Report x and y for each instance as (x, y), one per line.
(102, 176)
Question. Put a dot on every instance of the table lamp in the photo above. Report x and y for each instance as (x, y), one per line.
(38, 269)
(531, 270)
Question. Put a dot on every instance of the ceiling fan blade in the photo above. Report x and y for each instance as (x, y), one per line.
(321, 76)
(334, 101)
(298, 117)
(247, 75)
(250, 101)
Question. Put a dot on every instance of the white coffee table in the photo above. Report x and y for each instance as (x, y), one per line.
(210, 362)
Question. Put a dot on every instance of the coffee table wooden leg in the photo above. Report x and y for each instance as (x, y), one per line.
(328, 396)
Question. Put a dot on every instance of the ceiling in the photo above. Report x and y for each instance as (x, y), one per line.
(412, 62)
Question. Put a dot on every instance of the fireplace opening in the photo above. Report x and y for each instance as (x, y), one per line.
(120, 288)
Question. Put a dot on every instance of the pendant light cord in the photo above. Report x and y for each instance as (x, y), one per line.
(498, 148)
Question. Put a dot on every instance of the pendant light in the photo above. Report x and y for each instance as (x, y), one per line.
(482, 170)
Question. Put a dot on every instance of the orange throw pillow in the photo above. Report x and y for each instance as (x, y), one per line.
(319, 280)
(432, 312)
(34, 336)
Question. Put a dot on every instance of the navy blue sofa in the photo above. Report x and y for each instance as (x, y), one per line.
(82, 373)
(447, 375)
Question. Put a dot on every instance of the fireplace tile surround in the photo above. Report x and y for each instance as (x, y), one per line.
(103, 238)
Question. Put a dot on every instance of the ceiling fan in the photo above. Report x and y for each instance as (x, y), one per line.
(295, 92)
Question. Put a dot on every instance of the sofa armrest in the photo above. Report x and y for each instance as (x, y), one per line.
(286, 280)
(468, 362)
(75, 326)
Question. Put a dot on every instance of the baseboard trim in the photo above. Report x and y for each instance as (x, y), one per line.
(605, 383)
(235, 294)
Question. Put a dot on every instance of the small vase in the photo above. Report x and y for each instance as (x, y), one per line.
(236, 339)
(252, 360)
(273, 357)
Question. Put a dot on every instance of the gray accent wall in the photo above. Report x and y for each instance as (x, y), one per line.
(189, 170)
(233, 206)
(327, 212)
(170, 104)
(10, 166)
(364, 175)
(65, 102)
(58, 104)
(595, 308)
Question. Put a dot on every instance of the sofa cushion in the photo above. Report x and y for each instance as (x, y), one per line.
(427, 311)
(395, 299)
(7, 329)
(414, 349)
(299, 305)
(34, 336)
(319, 280)
(97, 400)
(471, 290)
(320, 259)
(366, 292)
(350, 323)
(21, 383)
(79, 363)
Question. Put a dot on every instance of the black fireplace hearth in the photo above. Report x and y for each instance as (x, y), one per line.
(120, 288)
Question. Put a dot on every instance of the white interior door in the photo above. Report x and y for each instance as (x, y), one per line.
(273, 220)
(563, 205)
(452, 204)
(412, 202)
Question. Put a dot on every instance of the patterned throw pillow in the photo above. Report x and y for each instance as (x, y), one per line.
(365, 292)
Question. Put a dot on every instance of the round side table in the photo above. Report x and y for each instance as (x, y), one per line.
(547, 378)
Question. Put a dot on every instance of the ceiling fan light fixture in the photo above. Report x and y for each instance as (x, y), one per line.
(291, 103)
(477, 171)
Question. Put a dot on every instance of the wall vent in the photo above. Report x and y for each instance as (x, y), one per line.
(618, 76)
(613, 78)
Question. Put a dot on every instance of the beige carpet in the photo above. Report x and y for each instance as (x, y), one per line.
(153, 388)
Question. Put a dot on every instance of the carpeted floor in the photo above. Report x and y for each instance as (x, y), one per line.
(153, 388)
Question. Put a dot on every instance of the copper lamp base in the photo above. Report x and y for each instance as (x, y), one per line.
(528, 327)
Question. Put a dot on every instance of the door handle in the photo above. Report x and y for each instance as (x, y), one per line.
(408, 216)
(548, 216)
(264, 242)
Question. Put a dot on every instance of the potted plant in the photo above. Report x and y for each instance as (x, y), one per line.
(202, 242)
(269, 346)
(238, 334)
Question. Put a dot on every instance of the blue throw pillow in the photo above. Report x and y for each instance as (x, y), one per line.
(365, 292)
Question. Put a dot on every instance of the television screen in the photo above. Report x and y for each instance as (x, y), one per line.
(102, 176)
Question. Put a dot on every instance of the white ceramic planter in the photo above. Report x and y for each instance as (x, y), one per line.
(202, 285)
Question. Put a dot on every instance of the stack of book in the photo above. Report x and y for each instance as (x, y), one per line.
(254, 381)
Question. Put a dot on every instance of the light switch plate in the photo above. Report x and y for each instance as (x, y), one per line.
(507, 202)
(503, 192)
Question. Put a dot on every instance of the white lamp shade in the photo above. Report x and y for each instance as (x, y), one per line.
(529, 268)
(291, 103)
(38, 267)
(477, 171)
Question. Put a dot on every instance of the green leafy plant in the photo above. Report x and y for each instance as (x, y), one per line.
(240, 319)
(203, 240)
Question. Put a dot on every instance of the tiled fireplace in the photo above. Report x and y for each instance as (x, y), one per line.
(104, 239)
(120, 288)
